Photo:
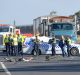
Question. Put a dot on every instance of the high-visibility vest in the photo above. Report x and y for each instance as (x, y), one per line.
(6, 40)
(15, 41)
(19, 39)
(10, 40)
(22, 38)
(68, 41)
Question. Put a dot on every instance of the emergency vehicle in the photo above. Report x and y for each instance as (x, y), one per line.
(6, 29)
(45, 47)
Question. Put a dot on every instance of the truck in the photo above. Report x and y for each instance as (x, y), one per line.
(6, 29)
(59, 25)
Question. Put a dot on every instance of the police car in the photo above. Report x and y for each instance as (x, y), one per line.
(45, 47)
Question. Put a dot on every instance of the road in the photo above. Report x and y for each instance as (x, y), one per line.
(37, 65)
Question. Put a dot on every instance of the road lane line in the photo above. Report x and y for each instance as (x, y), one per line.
(5, 69)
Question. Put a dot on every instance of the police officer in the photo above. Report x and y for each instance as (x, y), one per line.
(6, 44)
(9, 52)
(10, 39)
(36, 43)
(19, 38)
(61, 44)
(68, 43)
(53, 42)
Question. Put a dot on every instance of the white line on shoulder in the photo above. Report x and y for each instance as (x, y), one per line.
(5, 69)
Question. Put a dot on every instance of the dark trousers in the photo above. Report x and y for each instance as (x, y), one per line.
(11, 49)
(68, 52)
(53, 49)
(15, 49)
(36, 48)
(20, 48)
(63, 52)
(7, 47)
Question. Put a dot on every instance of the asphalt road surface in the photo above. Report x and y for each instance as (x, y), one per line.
(37, 65)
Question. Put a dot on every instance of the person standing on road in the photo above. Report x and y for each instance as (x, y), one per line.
(10, 38)
(68, 43)
(53, 42)
(61, 44)
(6, 44)
(20, 40)
(36, 44)
(15, 44)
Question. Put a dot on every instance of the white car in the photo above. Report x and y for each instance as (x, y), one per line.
(45, 48)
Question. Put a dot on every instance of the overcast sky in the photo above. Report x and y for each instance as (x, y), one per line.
(24, 11)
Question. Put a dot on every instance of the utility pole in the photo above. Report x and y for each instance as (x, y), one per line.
(14, 23)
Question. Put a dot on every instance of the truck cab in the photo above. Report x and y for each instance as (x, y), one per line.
(5, 29)
(63, 28)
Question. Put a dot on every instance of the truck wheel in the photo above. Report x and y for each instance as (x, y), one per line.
(74, 51)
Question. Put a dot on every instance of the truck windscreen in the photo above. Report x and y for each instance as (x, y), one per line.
(63, 26)
(4, 28)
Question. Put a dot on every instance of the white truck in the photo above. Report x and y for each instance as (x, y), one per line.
(6, 29)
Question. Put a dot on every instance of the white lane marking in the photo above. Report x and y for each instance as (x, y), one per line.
(5, 69)
(27, 60)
